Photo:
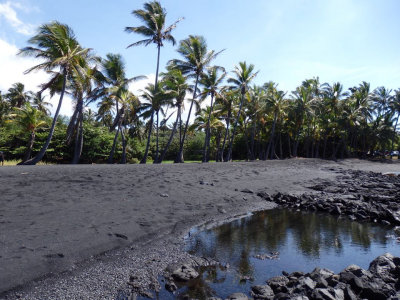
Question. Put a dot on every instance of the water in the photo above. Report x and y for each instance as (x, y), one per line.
(303, 241)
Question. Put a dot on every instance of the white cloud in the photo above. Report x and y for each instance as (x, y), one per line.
(10, 15)
(12, 71)
(136, 86)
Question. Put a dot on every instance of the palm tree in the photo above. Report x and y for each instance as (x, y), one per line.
(156, 99)
(4, 108)
(39, 102)
(210, 82)
(29, 119)
(62, 56)
(115, 83)
(395, 110)
(244, 74)
(196, 59)
(176, 86)
(17, 96)
(127, 113)
(277, 105)
(207, 120)
(226, 104)
(82, 88)
(155, 31)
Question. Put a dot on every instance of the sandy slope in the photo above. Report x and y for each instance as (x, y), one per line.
(52, 218)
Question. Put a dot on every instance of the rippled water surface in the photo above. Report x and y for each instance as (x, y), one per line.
(303, 241)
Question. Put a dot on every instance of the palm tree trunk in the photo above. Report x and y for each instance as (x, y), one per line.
(179, 158)
(29, 147)
(79, 135)
(229, 158)
(146, 152)
(228, 120)
(246, 140)
(271, 138)
(123, 158)
(253, 134)
(171, 136)
(111, 157)
(394, 136)
(71, 126)
(218, 144)
(157, 130)
(42, 151)
(206, 139)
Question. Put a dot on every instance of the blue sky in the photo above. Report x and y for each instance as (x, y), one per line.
(287, 40)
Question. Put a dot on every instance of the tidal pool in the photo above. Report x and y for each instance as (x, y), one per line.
(303, 240)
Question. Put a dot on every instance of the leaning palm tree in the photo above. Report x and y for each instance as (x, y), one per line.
(196, 59)
(210, 82)
(29, 120)
(153, 16)
(62, 55)
(244, 74)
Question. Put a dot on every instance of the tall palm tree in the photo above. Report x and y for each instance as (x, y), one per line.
(196, 60)
(153, 15)
(211, 82)
(29, 119)
(243, 75)
(61, 56)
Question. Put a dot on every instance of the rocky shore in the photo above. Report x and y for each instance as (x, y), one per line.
(381, 281)
(361, 196)
(358, 195)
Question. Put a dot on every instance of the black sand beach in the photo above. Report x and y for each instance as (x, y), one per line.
(79, 232)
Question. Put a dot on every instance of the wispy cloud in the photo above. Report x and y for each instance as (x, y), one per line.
(9, 13)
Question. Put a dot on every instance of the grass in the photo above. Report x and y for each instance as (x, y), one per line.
(14, 162)
(186, 161)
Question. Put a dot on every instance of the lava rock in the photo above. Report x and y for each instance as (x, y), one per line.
(184, 273)
(237, 296)
(262, 292)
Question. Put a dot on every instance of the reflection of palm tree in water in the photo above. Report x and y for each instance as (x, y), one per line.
(269, 231)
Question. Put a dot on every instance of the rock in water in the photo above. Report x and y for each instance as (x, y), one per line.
(237, 296)
(185, 273)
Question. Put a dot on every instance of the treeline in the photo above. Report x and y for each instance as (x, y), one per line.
(242, 120)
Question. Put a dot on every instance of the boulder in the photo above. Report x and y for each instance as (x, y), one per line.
(184, 273)
(237, 296)
(262, 292)
(383, 266)
(278, 284)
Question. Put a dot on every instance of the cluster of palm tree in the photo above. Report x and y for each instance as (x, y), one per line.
(316, 120)
(250, 121)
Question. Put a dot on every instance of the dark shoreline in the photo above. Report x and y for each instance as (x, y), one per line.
(162, 221)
